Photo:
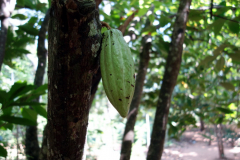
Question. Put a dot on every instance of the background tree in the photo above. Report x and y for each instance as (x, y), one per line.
(169, 81)
(32, 146)
(6, 10)
(128, 136)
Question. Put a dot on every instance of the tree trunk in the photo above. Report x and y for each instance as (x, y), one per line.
(128, 135)
(202, 127)
(3, 38)
(169, 81)
(218, 132)
(74, 43)
(43, 150)
(31, 141)
(6, 9)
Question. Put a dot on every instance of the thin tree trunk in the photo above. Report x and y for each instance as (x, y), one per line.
(17, 141)
(6, 9)
(169, 81)
(3, 39)
(128, 135)
(31, 141)
(74, 43)
(202, 127)
(43, 150)
(218, 132)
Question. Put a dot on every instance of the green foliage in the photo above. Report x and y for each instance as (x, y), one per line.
(207, 86)
(20, 95)
(3, 152)
(32, 4)
(207, 80)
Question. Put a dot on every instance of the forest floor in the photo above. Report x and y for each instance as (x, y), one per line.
(194, 146)
(191, 146)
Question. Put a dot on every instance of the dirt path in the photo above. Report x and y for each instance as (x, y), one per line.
(193, 146)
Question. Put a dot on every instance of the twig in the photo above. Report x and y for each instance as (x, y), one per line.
(225, 18)
(123, 27)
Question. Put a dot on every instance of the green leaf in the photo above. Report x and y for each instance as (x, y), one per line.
(35, 93)
(164, 20)
(3, 152)
(29, 26)
(41, 7)
(217, 25)
(219, 120)
(227, 85)
(195, 15)
(142, 12)
(3, 97)
(151, 18)
(16, 88)
(29, 29)
(20, 16)
(40, 110)
(29, 114)
(18, 120)
(224, 110)
(220, 63)
(7, 110)
(235, 57)
(233, 27)
(22, 42)
(18, 50)
(133, 1)
(207, 60)
(157, 4)
(20, 3)
(19, 89)
(149, 29)
(219, 49)
(162, 46)
(217, 28)
(6, 126)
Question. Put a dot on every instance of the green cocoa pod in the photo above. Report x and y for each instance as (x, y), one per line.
(117, 69)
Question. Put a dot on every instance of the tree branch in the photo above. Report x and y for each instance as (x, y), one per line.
(225, 18)
(211, 7)
(123, 27)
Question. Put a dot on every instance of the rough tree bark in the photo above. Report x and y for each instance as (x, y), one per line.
(95, 81)
(128, 135)
(31, 141)
(6, 9)
(74, 43)
(169, 81)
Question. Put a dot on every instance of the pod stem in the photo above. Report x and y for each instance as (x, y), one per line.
(104, 24)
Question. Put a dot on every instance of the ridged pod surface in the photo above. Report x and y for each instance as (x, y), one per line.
(117, 69)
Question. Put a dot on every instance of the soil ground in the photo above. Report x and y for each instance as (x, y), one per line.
(193, 146)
